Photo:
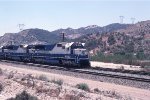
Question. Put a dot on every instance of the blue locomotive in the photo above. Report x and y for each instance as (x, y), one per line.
(62, 53)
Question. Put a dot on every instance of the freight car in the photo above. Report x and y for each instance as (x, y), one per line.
(62, 53)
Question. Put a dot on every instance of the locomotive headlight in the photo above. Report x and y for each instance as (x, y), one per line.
(84, 52)
(80, 51)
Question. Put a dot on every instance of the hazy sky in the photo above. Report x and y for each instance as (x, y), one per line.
(54, 14)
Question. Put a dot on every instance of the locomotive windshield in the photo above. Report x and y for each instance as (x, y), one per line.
(78, 48)
(77, 45)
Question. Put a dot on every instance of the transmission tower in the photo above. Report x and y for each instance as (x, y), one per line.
(21, 26)
(121, 19)
(132, 19)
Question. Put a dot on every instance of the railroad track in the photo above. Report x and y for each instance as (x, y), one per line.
(122, 71)
(82, 71)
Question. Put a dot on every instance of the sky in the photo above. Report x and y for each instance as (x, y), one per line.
(54, 14)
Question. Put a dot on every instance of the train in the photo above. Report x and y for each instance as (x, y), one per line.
(70, 54)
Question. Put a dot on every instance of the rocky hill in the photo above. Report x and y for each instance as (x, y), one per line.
(29, 36)
(40, 36)
(133, 39)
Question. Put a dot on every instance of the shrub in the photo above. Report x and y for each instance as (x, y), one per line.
(10, 75)
(111, 40)
(127, 98)
(59, 82)
(1, 72)
(23, 96)
(43, 78)
(40, 89)
(121, 67)
(11, 98)
(1, 87)
(96, 90)
(112, 94)
(83, 86)
(71, 97)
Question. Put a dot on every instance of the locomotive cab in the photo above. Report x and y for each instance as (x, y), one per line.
(78, 49)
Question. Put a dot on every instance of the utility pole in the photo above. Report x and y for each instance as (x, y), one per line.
(11, 41)
(121, 19)
(132, 19)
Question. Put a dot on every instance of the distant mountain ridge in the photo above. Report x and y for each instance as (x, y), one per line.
(40, 36)
(71, 33)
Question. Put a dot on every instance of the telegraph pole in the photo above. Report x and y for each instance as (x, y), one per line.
(132, 19)
(121, 19)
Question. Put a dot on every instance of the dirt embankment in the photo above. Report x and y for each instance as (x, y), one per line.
(48, 86)
(115, 66)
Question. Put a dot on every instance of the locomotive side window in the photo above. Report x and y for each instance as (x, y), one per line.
(68, 49)
(63, 47)
(59, 45)
(21, 46)
(83, 52)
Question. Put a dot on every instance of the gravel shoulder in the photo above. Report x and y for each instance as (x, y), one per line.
(115, 66)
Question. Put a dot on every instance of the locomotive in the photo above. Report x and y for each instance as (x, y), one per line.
(62, 53)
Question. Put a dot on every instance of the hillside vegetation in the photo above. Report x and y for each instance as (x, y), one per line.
(129, 46)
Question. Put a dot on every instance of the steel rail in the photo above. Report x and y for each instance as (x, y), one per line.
(80, 71)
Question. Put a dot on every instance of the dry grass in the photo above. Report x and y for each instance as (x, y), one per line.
(59, 81)
(83, 86)
(10, 75)
(1, 72)
(43, 78)
(24, 96)
(112, 94)
(1, 87)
